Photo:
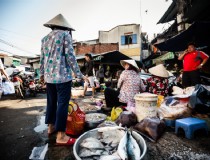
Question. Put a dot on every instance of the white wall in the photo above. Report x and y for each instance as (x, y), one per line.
(114, 35)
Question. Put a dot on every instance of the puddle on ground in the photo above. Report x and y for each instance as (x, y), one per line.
(42, 126)
(38, 153)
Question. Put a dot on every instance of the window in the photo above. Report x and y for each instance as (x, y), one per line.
(129, 39)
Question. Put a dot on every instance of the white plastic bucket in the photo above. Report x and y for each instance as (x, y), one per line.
(146, 105)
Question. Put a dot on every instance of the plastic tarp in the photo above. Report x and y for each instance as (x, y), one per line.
(200, 99)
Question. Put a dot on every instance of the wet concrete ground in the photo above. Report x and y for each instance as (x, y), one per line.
(18, 118)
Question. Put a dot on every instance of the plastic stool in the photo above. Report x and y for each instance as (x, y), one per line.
(190, 125)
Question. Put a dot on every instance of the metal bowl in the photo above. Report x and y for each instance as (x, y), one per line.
(94, 124)
(94, 133)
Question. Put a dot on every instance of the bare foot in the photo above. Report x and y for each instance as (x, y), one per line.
(62, 138)
(51, 128)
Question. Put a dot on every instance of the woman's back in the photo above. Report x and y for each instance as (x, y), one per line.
(130, 82)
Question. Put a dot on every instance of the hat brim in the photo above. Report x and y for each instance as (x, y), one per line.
(123, 62)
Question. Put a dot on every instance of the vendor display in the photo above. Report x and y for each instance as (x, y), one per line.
(110, 143)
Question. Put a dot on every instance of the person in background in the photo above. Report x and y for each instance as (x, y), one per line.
(129, 85)
(57, 62)
(193, 61)
(89, 74)
(101, 74)
(2, 71)
(158, 82)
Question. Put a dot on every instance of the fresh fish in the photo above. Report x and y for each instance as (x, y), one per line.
(92, 143)
(133, 148)
(96, 157)
(110, 157)
(112, 137)
(85, 152)
(105, 153)
(111, 128)
(122, 147)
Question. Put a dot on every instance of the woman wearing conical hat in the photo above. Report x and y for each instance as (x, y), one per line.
(158, 83)
(57, 63)
(129, 84)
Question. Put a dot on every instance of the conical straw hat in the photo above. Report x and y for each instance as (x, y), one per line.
(59, 21)
(159, 71)
(131, 62)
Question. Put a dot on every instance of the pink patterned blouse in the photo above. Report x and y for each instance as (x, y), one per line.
(130, 84)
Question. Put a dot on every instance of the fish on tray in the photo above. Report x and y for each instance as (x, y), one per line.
(112, 137)
(92, 143)
(111, 143)
(128, 148)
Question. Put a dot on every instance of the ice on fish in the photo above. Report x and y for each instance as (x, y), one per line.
(85, 152)
(92, 143)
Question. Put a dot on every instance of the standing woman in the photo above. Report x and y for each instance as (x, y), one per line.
(2, 71)
(129, 84)
(89, 74)
(57, 63)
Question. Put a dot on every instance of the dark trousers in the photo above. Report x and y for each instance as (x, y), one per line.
(111, 98)
(190, 78)
(58, 96)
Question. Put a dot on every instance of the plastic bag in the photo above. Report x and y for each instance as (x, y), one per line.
(152, 127)
(200, 99)
(127, 119)
(174, 109)
(8, 88)
(115, 113)
(160, 100)
(75, 120)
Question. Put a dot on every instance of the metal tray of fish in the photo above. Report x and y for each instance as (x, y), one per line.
(90, 109)
(95, 134)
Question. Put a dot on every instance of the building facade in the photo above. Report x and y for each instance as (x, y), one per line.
(127, 36)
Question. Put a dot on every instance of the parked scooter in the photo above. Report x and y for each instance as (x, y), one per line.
(18, 84)
(29, 86)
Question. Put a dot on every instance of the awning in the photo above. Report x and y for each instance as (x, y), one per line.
(167, 56)
(170, 14)
(198, 32)
(113, 57)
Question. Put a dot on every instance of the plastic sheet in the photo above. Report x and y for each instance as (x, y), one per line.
(200, 99)
(173, 109)
(38, 153)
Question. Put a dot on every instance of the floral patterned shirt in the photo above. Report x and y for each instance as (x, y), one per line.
(57, 59)
(130, 84)
(158, 85)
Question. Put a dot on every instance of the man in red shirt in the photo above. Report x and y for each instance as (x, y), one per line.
(193, 60)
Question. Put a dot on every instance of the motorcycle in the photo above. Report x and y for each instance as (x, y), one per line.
(18, 84)
(29, 86)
